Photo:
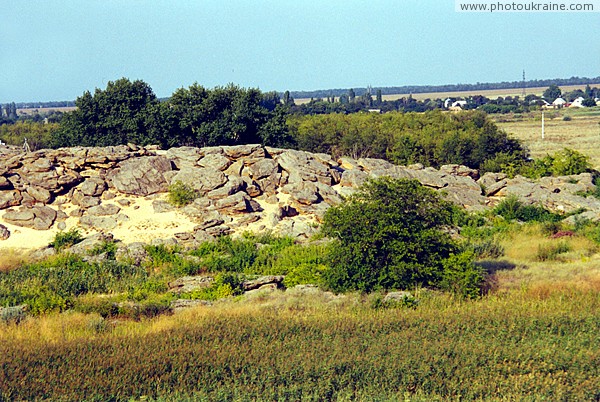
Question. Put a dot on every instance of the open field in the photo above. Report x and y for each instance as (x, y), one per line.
(527, 344)
(44, 110)
(492, 93)
(532, 337)
(581, 133)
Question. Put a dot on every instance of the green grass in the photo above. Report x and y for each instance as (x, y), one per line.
(532, 336)
(516, 346)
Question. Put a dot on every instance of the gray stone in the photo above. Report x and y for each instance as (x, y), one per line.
(202, 180)
(263, 168)
(263, 280)
(36, 217)
(190, 283)
(104, 210)
(233, 204)
(4, 232)
(397, 296)
(39, 194)
(353, 178)
(90, 242)
(141, 176)
(460, 170)
(93, 187)
(10, 198)
(134, 253)
(84, 201)
(183, 304)
(160, 206)
(98, 222)
(246, 151)
(215, 161)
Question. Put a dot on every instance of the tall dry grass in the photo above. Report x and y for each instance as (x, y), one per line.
(523, 344)
(12, 258)
(581, 133)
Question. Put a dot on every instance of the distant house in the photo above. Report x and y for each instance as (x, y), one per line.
(577, 102)
(559, 102)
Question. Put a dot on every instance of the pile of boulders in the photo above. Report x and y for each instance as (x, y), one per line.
(239, 187)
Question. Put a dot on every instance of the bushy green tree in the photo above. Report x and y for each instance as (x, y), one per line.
(391, 235)
(552, 93)
(121, 113)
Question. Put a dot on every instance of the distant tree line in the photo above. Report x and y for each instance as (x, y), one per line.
(415, 89)
(411, 132)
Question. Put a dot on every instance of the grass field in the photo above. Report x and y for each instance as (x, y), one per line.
(532, 337)
(581, 132)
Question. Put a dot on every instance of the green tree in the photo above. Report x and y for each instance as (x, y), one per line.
(287, 99)
(553, 92)
(589, 102)
(379, 97)
(391, 235)
(117, 115)
(351, 95)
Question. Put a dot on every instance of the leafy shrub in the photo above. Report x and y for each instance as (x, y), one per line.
(511, 208)
(63, 240)
(567, 118)
(406, 301)
(106, 247)
(551, 252)
(487, 248)
(389, 235)
(53, 284)
(565, 162)
(461, 276)
(225, 284)
(181, 194)
(306, 273)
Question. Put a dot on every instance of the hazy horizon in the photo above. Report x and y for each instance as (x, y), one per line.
(56, 50)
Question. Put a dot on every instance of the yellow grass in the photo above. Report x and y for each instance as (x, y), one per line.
(581, 133)
(11, 258)
(578, 268)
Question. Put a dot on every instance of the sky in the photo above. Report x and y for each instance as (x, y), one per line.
(57, 49)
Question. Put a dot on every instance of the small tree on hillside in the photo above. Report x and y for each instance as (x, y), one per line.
(390, 235)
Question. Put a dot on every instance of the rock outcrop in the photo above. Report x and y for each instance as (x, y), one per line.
(246, 187)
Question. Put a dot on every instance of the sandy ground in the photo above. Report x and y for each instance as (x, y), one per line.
(143, 225)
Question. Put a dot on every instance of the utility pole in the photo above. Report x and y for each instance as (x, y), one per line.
(523, 83)
(542, 125)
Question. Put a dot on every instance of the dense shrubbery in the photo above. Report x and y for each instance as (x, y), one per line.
(562, 163)
(66, 239)
(55, 283)
(130, 112)
(39, 135)
(391, 235)
(511, 208)
(431, 138)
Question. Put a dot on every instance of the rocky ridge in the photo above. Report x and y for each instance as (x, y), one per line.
(246, 187)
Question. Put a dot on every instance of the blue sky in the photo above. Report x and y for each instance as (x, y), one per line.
(56, 49)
